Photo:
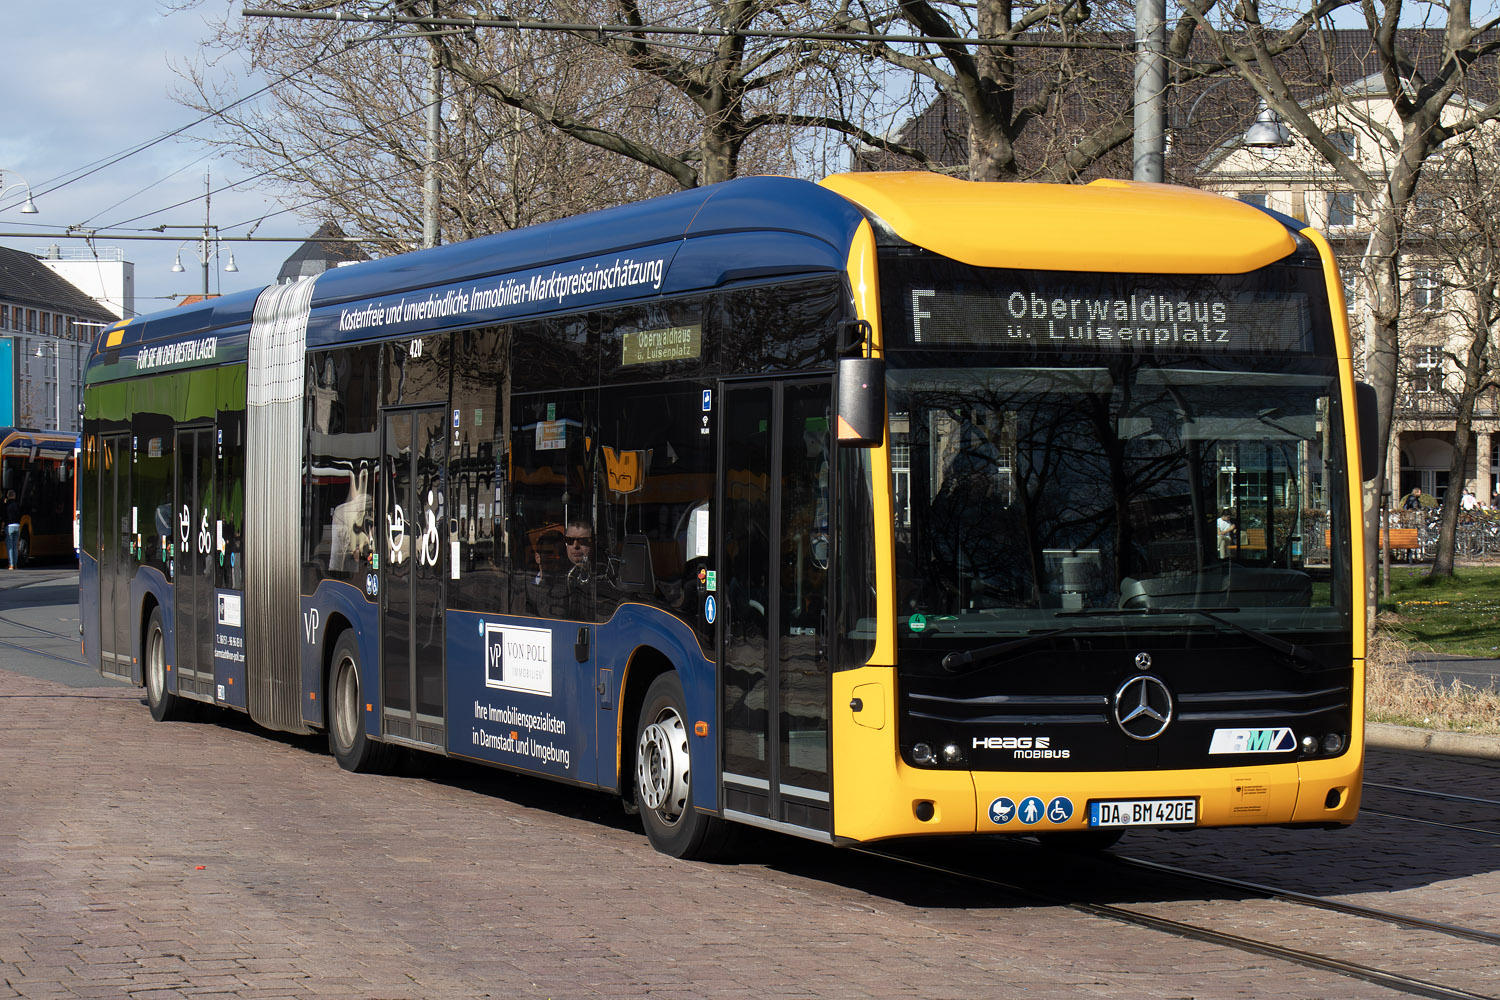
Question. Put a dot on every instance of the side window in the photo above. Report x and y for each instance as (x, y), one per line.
(660, 340)
(416, 370)
(342, 411)
(152, 478)
(785, 328)
(555, 556)
(476, 468)
(658, 488)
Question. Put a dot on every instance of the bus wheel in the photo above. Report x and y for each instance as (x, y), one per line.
(165, 706)
(663, 778)
(346, 718)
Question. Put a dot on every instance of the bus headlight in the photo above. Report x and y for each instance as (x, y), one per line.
(1309, 744)
(952, 754)
(1333, 743)
(921, 753)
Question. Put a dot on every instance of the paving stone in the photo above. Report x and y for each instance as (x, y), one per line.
(315, 883)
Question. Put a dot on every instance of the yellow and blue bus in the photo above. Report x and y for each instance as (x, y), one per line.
(885, 506)
(38, 466)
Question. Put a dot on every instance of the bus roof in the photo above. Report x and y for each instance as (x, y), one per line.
(740, 230)
(15, 439)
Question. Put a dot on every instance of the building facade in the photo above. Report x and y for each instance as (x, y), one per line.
(1438, 305)
(47, 327)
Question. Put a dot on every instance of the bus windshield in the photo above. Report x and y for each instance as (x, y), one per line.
(1026, 493)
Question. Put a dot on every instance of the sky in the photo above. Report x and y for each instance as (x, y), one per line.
(86, 80)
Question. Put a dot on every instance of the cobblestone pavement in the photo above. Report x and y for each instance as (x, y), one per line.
(215, 860)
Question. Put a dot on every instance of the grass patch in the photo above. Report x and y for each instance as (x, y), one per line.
(1399, 695)
(1446, 615)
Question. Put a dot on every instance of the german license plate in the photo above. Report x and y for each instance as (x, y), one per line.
(1143, 812)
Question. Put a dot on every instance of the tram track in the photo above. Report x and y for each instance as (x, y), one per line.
(1141, 915)
(1435, 795)
(7, 620)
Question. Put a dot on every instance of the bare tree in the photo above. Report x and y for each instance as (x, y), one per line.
(342, 131)
(1459, 212)
(1434, 96)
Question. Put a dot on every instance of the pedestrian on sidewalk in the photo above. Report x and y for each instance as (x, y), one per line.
(12, 527)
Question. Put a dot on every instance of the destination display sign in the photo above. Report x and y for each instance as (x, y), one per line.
(676, 343)
(1103, 314)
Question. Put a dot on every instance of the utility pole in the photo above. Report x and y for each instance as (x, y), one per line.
(431, 183)
(1149, 152)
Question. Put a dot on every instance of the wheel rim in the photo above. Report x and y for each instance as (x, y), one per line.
(156, 665)
(346, 703)
(661, 765)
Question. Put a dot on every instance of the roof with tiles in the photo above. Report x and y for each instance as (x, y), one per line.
(26, 281)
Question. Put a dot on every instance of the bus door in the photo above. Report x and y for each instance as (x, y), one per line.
(194, 612)
(773, 595)
(414, 459)
(116, 556)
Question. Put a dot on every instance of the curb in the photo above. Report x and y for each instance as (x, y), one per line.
(1378, 734)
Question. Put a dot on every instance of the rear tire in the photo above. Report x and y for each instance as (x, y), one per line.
(165, 705)
(347, 741)
(663, 778)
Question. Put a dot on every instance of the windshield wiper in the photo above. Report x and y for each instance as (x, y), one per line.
(1303, 657)
(957, 660)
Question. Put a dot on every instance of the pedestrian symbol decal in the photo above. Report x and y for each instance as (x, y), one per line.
(1030, 810)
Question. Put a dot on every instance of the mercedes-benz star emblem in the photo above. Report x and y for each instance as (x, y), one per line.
(1143, 707)
(1143, 661)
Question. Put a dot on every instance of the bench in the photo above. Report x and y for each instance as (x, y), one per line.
(1395, 539)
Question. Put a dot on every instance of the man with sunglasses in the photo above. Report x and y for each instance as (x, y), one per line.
(579, 538)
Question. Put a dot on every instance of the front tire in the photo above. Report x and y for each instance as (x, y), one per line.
(165, 705)
(347, 741)
(663, 778)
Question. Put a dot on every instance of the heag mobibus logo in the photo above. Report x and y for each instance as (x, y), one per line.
(1022, 747)
(518, 658)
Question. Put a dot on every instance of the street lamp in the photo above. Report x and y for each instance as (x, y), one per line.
(1267, 132)
(29, 206)
(204, 254)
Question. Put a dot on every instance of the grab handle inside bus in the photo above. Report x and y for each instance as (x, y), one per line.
(861, 417)
(1368, 414)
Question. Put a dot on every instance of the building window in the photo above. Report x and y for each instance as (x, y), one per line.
(1428, 374)
(1340, 209)
(1344, 142)
(1256, 198)
(1349, 273)
(1427, 290)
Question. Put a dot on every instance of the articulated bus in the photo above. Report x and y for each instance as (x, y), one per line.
(39, 467)
(886, 506)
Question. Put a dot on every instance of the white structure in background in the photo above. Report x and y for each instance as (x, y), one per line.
(103, 274)
(47, 328)
(1296, 181)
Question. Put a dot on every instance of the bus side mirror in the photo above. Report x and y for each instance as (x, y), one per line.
(861, 414)
(1367, 412)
